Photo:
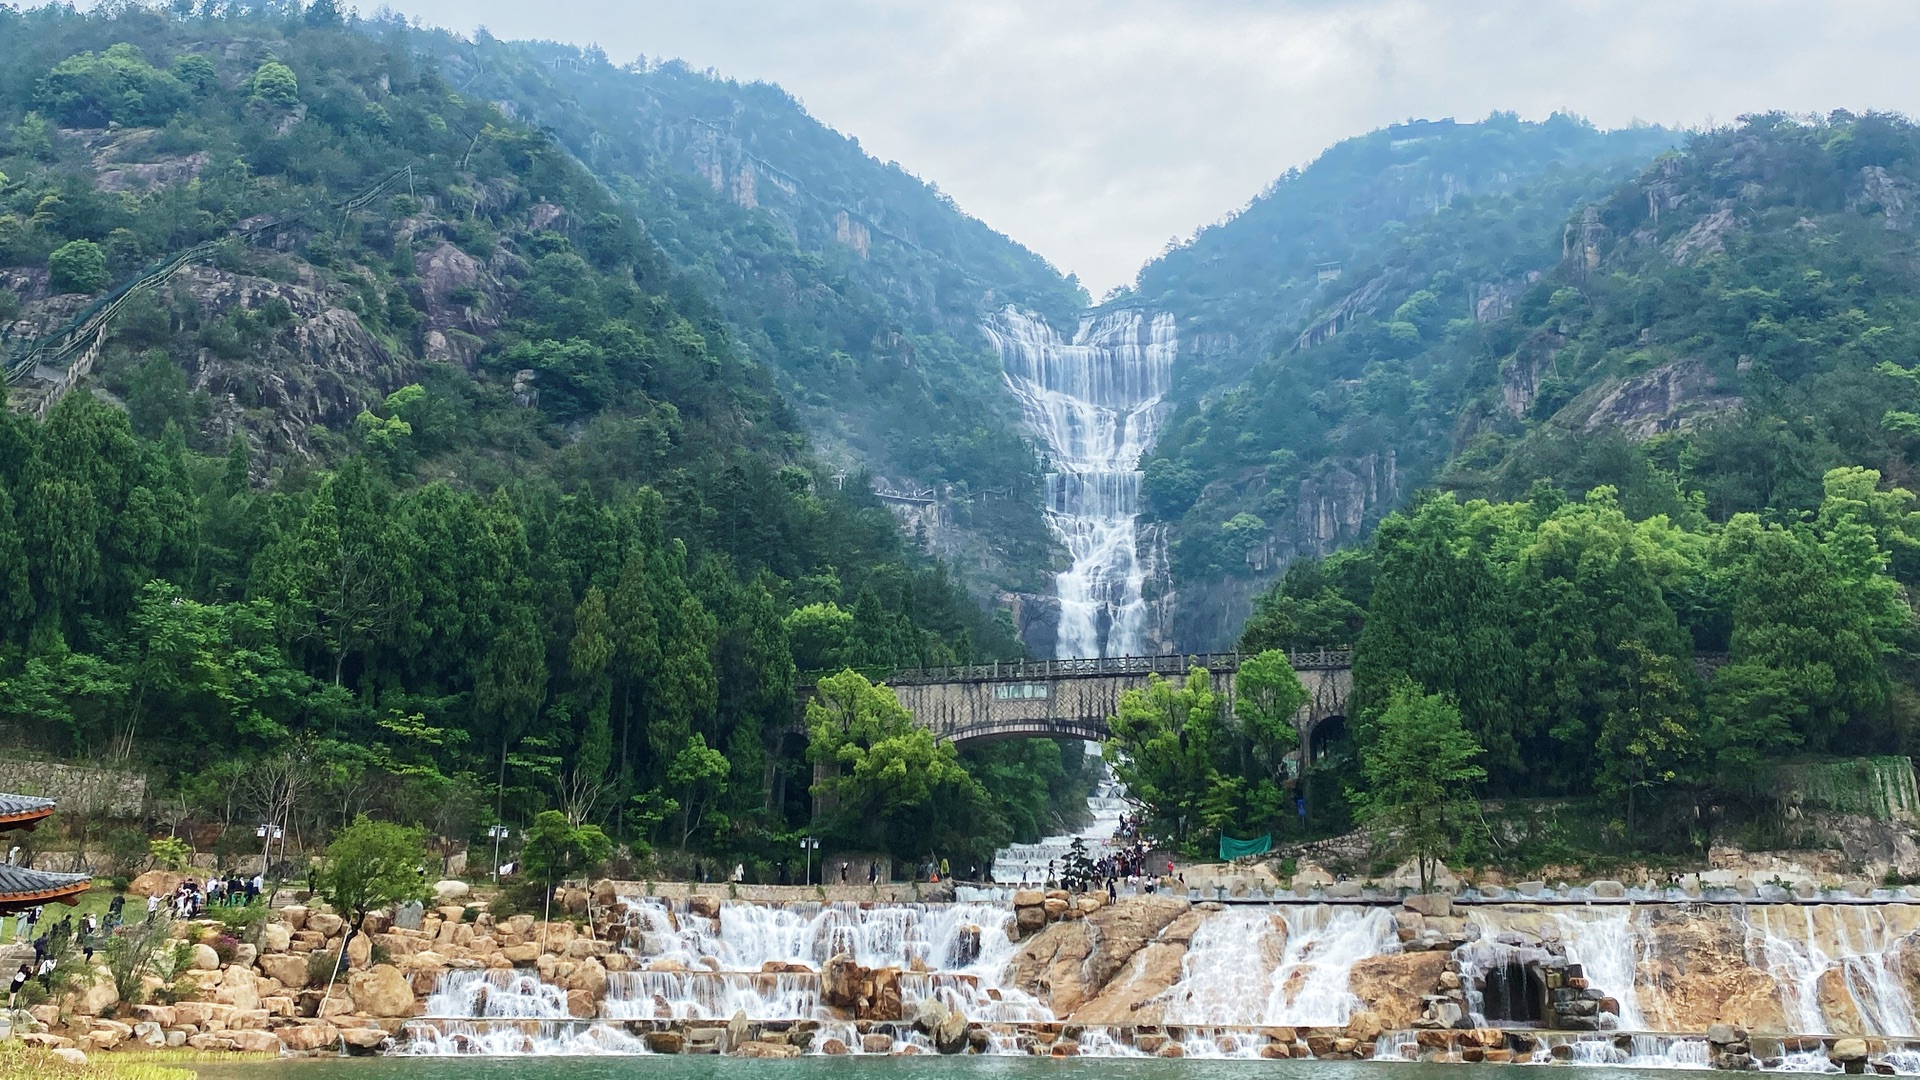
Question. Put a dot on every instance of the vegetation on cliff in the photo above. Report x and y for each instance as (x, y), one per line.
(454, 500)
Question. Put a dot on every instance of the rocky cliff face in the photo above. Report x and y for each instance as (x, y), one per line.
(1335, 506)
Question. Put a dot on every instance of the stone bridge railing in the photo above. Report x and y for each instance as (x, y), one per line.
(1171, 664)
(1073, 699)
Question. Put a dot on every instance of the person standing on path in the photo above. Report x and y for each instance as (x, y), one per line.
(19, 980)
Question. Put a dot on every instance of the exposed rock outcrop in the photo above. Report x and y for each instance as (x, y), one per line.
(1672, 397)
(1071, 962)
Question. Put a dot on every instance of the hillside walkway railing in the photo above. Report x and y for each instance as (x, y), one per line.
(70, 347)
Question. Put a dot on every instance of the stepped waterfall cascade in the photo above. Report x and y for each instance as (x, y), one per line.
(1662, 969)
(1019, 864)
(1096, 402)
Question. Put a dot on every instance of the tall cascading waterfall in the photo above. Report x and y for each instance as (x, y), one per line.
(1097, 402)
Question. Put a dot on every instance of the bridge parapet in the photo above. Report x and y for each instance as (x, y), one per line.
(1170, 664)
(1073, 699)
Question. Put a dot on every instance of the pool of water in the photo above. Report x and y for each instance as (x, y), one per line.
(861, 1068)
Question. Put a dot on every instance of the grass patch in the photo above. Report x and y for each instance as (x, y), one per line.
(17, 1062)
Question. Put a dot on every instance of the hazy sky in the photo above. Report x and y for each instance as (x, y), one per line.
(1094, 131)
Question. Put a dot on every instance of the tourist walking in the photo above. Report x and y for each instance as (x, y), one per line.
(19, 980)
(873, 872)
(153, 905)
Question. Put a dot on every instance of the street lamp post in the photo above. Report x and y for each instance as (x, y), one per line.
(267, 834)
(809, 845)
(499, 833)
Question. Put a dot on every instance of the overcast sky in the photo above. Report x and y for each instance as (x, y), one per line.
(1093, 131)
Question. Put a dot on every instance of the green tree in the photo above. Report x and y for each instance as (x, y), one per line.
(880, 764)
(91, 90)
(1647, 737)
(370, 865)
(1418, 760)
(699, 774)
(77, 266)
(556, 850)
(1167, 746)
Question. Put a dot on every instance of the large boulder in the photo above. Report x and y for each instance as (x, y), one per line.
(205, 959)
(239, 987)
(843, 982)
(950, 1036)
(97, 997)
(275, 937)
(314, 1035)
(451, 891)
(382, 991)
(161, 883)
(1391, 985)
(288, 970)
(1069, 963)
(325, 923)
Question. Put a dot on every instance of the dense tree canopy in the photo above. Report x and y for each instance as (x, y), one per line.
(572, 554)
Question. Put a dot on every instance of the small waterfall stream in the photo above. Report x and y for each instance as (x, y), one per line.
(1097, 402)
(1278, 965)
(1018, 864)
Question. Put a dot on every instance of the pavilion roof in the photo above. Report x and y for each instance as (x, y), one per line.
(24, 888)
(22, 811)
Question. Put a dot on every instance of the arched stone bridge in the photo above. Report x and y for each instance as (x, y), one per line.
(1072, 699)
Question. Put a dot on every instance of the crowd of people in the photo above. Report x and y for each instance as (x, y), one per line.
(191, 900)
(87, 933)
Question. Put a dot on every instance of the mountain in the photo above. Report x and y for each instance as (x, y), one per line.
(1706, 336)
(361, 435)
(1293, 428)
(857, 285)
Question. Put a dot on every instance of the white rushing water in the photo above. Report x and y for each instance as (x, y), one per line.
(1097, 402)
(1799, 946)
(1018, 864)
(1280, 965)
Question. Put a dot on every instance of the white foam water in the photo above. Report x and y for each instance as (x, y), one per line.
(1799, 945)
(1277, 965)
(1028, 863)
(1097, 402)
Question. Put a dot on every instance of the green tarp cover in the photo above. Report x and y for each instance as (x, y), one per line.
(1231, 849)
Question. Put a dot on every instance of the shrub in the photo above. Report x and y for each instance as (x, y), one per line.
(225, 946)
(243, 922)
(275, 84)
(320, 966)
(78, 266)
(169, 853)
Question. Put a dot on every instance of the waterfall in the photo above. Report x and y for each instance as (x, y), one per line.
(1801, 946)
(1608, 943)
(1027, 863)
(965, 939)
(1096, 402)
(1277, 965)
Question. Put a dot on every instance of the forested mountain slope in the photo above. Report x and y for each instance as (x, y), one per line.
(1664, 568)
(857, 284)
(1242, 287)
(435, 488)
